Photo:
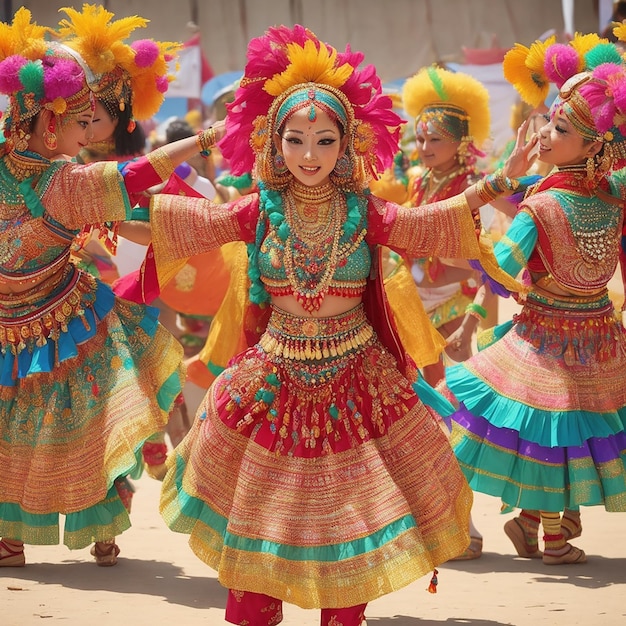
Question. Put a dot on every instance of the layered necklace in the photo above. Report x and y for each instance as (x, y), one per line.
(434, 184)
(315, 216)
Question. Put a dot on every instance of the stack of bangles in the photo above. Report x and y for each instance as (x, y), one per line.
(476, 311)
(494, 185)
(205, 140)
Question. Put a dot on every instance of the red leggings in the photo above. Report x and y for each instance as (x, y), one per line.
(257, 609)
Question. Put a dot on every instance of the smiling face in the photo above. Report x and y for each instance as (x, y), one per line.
(435, 151)
(74, 133)
(310, 148)
(560, 144)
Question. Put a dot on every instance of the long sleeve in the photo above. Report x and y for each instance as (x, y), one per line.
(444, 229)
(515, 247)
(183, 227)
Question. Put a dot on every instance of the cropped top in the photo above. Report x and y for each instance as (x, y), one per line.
(348, 279)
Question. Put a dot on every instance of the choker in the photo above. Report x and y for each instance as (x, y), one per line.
(317, 194)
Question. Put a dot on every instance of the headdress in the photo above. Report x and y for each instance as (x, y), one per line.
(591, 77)
(455, 103)
(133, 76)
(36, 74)
(288, 69)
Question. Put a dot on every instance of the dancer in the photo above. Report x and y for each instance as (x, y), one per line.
(313, 473)
(542, 417)
(85, 377)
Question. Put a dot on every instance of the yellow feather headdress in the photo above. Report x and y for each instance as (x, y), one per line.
(523, 67)
(125, 74)
(435, 88)
(23, 37)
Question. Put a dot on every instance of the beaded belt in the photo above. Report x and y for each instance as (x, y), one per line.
(315, 338)
(50, 320)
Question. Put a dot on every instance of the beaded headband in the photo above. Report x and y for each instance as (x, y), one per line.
(445, 119)
(313, 96)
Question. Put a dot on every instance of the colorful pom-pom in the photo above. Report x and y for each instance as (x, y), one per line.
(62, 79)
(162, 84)
(32, 76)
(146, 52)
(10, 73)
(561, 62)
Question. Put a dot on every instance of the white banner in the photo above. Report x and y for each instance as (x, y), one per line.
(188, 81)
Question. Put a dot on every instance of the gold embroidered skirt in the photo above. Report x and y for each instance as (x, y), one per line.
(314, 473)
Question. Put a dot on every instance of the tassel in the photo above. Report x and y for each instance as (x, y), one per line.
(432, 587)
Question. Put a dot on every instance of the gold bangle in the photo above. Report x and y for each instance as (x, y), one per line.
(205, 140)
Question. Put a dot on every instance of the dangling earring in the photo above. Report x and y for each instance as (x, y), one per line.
(343, 167)
(590, 167)
(279, 164)
(49, 135)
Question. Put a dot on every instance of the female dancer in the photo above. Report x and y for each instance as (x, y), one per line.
(313, 473)
(452, 121)
(85, 378)
(542, 416)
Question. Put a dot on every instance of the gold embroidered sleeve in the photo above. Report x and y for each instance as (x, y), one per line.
(87, 194)
(161, 163)
(444, 229)
(183, 227)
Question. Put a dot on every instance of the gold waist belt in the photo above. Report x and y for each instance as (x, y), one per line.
(315, 338)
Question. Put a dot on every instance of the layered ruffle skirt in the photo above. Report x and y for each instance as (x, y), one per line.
(543, 409)
(85, 379)
(314, 473)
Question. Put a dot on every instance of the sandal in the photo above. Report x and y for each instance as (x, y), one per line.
(10, 557)
(573, 556)
(473, 551)
(516, 534)
(105, 553)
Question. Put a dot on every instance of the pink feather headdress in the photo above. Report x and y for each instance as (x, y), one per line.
(278, 63)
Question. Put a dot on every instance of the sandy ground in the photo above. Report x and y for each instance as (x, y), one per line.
(158, 580)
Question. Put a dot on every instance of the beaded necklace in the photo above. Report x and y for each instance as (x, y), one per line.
(312, 247)
(433, 186)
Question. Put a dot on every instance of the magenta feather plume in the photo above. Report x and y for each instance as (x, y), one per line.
(9, 73)
(267, 57)
(561, 62)
(146, 52)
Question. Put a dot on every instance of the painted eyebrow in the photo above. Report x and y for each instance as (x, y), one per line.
(318, 132)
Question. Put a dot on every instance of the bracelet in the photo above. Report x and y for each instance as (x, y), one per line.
(476, 311)
(205, 140)
(494, 185)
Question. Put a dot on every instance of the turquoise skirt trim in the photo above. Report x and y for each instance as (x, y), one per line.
(99, 522)
(544, 427)
(185, 511)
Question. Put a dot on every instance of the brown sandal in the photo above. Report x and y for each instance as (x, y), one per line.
(516, 534)
(105, 552)
(573, 556)
(10, 556)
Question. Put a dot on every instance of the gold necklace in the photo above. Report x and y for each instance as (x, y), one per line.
(311, 254)
(435, 184)
(22, 166)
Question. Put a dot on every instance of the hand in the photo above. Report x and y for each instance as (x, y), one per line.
(459, 344)
(523, 154)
